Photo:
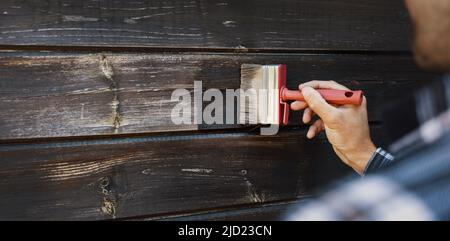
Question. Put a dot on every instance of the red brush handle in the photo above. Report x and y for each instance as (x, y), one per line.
(336, 97)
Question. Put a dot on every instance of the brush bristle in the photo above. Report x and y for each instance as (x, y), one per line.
(251, 76)
(259, 103)
(250, 72)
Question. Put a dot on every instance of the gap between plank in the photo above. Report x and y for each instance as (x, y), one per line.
(70, 141)
(237, 50)
(219, 212)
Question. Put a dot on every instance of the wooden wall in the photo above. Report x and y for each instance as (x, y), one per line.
(85, 87)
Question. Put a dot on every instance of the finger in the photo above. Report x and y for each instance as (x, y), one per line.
(319, 125)
(298, 105)
(315, 129)
(317, 104)
(311, 132)
(307, 115)
(320, 84)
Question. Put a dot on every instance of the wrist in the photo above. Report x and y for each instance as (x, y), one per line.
(359, 158)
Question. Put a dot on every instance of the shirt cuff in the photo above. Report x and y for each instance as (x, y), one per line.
(379, 160)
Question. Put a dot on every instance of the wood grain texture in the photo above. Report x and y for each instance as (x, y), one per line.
(241, 24)
(258, 212)
(121, 157)
(59, 95)
(157, 175)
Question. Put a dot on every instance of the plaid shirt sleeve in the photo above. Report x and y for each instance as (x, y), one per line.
(379, 160)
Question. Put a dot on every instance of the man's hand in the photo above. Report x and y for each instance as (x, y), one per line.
(346, 126)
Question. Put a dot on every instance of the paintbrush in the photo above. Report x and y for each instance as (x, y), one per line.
(264, 95)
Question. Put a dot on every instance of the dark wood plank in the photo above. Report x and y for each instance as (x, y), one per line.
(57, 94)
(259, 212)
(156, 175)
(241, 24)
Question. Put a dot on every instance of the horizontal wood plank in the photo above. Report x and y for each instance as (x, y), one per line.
(59, 95)
(257, 212)
(240, 24)
(158, 175)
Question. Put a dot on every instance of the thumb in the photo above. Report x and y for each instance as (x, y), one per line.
(318, 104)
